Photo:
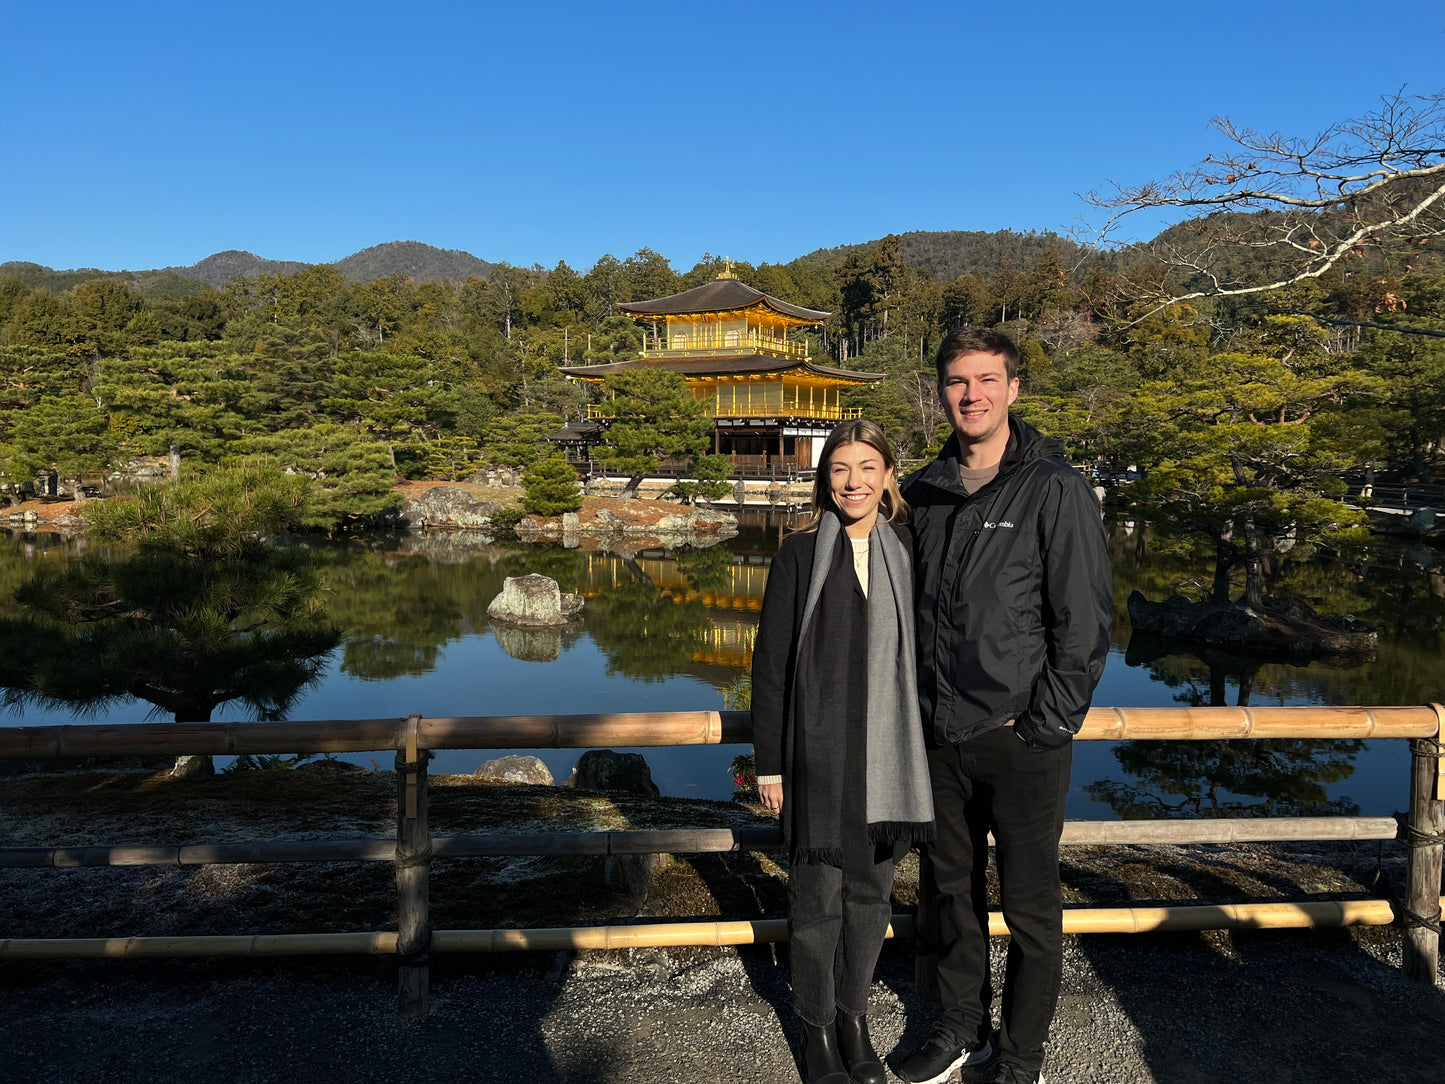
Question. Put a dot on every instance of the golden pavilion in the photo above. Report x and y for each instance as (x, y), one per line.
(772, 406)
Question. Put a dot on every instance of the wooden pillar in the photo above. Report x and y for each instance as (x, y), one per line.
(413, 858)
(1425, 834)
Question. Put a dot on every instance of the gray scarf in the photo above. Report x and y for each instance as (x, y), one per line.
(899, 797)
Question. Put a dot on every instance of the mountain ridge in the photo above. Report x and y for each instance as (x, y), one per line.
(944, 254)
(414, 259)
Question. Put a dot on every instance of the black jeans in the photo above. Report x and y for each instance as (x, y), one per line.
(996, 781)
(836, 922)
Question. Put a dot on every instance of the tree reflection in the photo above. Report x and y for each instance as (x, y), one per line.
(644, 633)
(1274, 777)
(203, 613)
(397, 613)
(1277, 777)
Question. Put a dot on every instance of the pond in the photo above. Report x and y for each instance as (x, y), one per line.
(673, 630)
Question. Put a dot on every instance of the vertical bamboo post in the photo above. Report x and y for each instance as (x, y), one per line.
(413, 857)
(1425, 832)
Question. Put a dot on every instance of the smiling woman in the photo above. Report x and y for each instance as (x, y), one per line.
(857, 476)
(838, 742)
(856, 479)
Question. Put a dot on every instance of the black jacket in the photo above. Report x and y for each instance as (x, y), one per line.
(812, 735)
(1014, 594)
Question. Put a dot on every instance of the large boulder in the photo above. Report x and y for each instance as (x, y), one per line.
(1281, 628)
(1421, 521)
(606, 769)
(533, 601)
(515, 769)
(199, 766)
(447, 506)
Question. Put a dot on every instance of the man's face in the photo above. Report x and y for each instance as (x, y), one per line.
(976, 393)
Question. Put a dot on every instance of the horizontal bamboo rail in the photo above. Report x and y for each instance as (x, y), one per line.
(1181, 919)
(278, 944)
(1200, 724)
(671, 841)
(644, 729)
(632, 729)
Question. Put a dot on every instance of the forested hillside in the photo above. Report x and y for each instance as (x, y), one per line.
(1245, 413)
(946, 254)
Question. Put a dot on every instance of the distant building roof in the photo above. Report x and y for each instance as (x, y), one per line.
(720, 295)
(577, 431)
(726, 365)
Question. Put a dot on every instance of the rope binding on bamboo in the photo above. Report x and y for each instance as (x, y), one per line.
(1416, 838)
(413, 767)
(417, 954)
(419, 858)
(1412, 920)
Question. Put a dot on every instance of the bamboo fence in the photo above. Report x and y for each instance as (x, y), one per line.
(1186, 918)
(413, 849)
(670, 841)
(649, 729)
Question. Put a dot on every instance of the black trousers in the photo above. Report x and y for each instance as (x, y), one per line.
(997, 782)
(836, 922)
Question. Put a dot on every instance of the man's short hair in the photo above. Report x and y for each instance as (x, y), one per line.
(970, 339)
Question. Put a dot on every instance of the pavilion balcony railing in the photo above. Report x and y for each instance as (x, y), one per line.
(795, 408)
(414, 849)
(709, 344)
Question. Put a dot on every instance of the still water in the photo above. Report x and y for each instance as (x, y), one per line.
(673, 630)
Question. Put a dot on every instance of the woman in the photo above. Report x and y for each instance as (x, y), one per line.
(838, 741)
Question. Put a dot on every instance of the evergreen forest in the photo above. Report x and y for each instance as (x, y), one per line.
(1245, 392)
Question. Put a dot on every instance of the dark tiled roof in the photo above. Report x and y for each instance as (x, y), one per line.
(727, 365)
(577, 431)
(720, 295)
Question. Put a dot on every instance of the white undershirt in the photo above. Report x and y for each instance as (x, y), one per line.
(860, 562)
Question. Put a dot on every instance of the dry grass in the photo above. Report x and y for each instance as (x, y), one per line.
(137, 807)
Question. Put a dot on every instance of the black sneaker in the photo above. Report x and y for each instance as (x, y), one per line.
(1009, 1073)
(941, 1055)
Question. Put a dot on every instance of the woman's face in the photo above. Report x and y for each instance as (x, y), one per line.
(857, 480)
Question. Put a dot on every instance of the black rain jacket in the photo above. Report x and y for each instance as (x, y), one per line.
(1014, 594)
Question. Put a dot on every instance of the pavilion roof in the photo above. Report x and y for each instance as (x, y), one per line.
(721, 295)
(723, 365)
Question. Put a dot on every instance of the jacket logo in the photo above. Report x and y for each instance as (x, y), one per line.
(987, 526)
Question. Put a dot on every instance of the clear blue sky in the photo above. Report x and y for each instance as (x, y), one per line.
(150, 134)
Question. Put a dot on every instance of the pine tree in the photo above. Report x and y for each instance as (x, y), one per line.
(551, 488)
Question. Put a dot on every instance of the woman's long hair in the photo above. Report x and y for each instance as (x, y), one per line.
(857, 431)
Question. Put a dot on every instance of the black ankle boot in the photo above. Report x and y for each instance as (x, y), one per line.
(821, 1061)
(864, 1065)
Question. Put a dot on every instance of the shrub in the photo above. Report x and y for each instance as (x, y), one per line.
(550, 487)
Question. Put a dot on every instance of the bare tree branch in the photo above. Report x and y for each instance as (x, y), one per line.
(1305, 204)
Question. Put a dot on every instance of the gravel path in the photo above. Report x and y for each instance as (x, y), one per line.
(1294, 1007)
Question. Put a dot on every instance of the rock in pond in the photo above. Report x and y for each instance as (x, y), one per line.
(1282, 628)
(533, 601)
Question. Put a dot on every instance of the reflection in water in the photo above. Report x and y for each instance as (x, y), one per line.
(183, 631)
(1286, 777)
(672, 630)
(529, 644)
(1300, 777)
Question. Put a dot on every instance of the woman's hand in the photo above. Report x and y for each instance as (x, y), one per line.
(771, 795)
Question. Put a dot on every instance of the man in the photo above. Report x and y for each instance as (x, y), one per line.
(1015, 604)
